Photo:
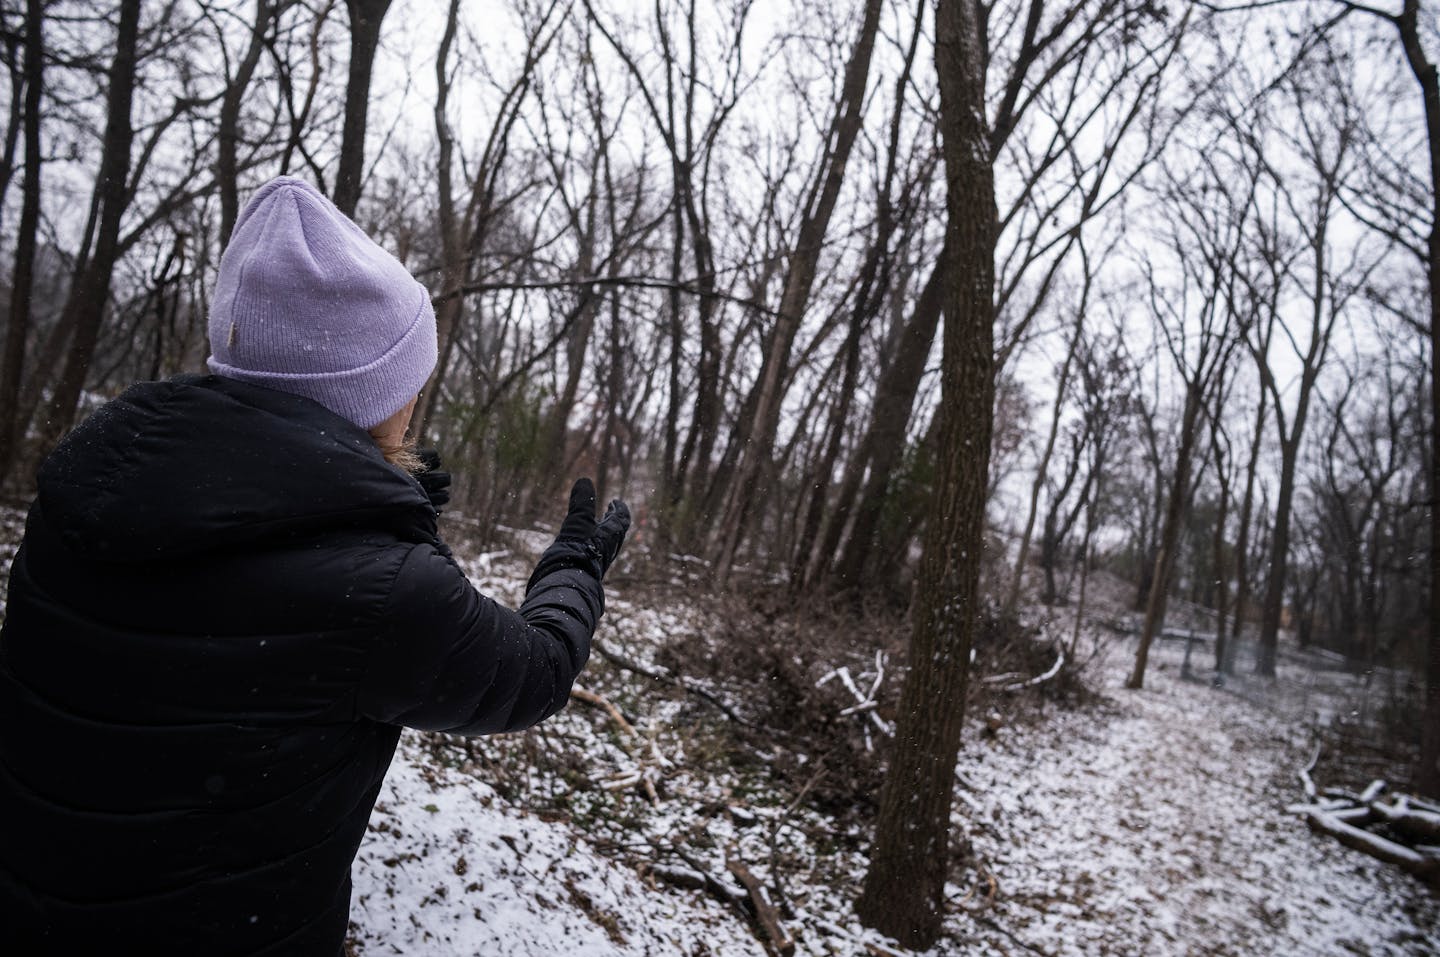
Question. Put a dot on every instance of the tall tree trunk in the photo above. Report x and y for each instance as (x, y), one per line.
(614, 388)
(85, 305)
(1175, 506)
(228, 129)
(1427, 770)
(1274, 601)
(16, 67)
(23, 278)
(904, 890)
(453, 267)
(825, 469)
(1222, 575)
(1012, 599)
(1242, 537)
(365, 17)
(884, 445)
(756, 451)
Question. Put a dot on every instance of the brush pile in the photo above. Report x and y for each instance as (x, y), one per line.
(1400, 829)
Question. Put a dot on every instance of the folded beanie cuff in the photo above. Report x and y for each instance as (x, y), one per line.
(365, 395)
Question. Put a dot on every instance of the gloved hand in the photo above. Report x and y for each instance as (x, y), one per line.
(601, 539)
(434, 481)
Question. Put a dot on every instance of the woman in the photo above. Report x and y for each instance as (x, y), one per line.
(228, 602)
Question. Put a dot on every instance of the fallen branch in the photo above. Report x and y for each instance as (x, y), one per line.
(1372, 844)
(765, 914)
(1040, 678)
(625, 664)
(1417, 825)
(692, 880)
(1322, 807)
(591, 698)
(864, 704)
(632, 778)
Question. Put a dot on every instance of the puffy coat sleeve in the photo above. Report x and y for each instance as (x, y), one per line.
(450, 659)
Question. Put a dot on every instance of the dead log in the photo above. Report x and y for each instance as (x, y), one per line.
(1422, 804)
(1372, 844)
(765, 914)
(693, 880)
(1419, 826)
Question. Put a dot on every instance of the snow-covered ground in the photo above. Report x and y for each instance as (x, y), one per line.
(1147, 822)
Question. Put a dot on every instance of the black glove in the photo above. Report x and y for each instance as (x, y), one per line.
(434, 481)
(603, 539)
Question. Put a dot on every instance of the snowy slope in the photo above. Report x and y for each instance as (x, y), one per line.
(1150, 823)
(448, 869)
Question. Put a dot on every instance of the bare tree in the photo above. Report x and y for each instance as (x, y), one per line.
(227, 163)
(365, 19)
(23, 275)
(904, 889)
(1407, 25)
(756, 434)
(1196, 319)
(90, 291)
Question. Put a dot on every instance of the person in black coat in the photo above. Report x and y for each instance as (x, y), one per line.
(229, 600)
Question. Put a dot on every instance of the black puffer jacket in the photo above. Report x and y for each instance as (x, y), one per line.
(226, 605)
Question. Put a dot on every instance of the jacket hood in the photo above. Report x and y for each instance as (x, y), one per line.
(196, 463)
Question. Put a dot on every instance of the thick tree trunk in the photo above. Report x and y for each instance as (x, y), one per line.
(365, 17)
(903, 892)
(23, 277)
(1427, 770)
(85, 305)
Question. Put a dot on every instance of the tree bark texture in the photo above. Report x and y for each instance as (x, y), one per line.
(903, 892)
(1427, 771)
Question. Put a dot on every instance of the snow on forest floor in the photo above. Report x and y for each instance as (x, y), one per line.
(1145, 822)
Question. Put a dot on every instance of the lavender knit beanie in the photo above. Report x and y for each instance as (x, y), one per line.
(307, 303)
